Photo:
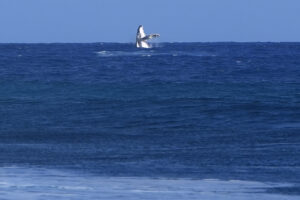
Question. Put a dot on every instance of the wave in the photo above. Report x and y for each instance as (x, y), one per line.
(35, 183)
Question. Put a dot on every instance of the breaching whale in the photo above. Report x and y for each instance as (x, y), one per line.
(141, 38)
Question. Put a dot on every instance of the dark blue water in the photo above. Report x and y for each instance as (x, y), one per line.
(191, 110)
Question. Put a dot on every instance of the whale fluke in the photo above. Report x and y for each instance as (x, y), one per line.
(141, 38)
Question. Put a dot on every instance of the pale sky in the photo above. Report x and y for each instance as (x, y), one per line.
(31, 21)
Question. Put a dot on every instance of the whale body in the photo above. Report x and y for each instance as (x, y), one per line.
(141, 38)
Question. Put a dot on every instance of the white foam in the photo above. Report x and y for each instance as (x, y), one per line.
(27, 183)
(147, 53)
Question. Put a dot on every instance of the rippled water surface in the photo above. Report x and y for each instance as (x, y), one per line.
(162, 116)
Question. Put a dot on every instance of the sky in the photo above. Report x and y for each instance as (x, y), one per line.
(39, 21)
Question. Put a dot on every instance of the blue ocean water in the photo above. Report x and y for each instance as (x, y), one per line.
(178, 112)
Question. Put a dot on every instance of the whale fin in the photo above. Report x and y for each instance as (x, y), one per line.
(151, 36)
(141, 38)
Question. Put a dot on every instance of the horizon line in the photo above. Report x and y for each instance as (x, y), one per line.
(151, 42)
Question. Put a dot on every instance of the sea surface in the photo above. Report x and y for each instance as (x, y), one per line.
(177, 121)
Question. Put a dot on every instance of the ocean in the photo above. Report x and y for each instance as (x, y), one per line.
(177, 121)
